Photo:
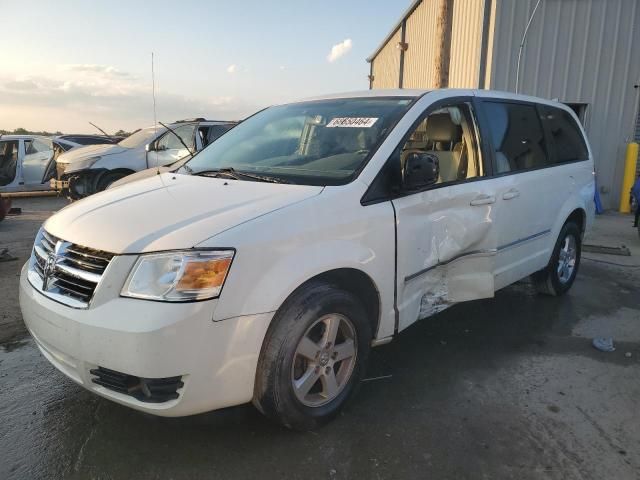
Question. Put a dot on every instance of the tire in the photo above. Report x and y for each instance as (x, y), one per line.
(558, 276)
(107, 179)
(301, 380)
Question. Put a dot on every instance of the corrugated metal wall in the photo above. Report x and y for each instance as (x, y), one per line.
(386, 65)
(577, 51)
(419, 59)
(466, 41)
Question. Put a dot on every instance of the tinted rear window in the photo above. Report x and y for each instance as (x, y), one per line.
(567, 142)
(517, 136)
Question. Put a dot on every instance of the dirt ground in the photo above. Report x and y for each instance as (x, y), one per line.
(17, 234)
(508, 387)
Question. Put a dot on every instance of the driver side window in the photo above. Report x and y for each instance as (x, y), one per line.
(448, 133)
(169, 141)
(36, 146)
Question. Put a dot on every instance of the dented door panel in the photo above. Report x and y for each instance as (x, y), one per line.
(446, 248)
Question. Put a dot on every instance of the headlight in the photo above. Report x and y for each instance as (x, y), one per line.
(81, 164)
(179, 276)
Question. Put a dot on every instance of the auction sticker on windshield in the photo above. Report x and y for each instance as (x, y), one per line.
(358, 122)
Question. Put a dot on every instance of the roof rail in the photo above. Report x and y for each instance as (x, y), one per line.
(186, 120)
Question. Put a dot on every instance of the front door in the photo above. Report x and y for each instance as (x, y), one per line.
(169, 148)
(446, 240)
(38, 154)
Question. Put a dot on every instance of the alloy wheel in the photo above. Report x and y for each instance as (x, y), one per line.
(324, 360)
(567, 258)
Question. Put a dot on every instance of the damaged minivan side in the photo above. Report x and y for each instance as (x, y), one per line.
(265, 268)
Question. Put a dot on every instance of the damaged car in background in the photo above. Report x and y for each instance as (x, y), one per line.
(92, 169)
(266, 267)
(27, 162)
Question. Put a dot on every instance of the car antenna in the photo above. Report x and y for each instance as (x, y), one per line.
(105, 133)
(155, 118)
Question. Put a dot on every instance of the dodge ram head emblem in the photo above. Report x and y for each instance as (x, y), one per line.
(49, 266)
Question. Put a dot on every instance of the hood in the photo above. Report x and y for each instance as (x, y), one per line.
(169, 211)
(89, 151)
(142, 174)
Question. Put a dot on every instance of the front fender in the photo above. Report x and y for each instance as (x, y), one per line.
(278, 252)
(130, 160)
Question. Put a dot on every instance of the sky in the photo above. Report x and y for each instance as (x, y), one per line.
(66, 63)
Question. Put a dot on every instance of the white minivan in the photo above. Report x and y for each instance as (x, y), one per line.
(266, 267)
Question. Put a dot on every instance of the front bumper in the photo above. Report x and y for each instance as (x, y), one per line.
(58, 185)
(216, 360)
(77, 184)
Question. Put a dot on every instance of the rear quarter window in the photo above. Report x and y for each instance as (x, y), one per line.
(567, 142)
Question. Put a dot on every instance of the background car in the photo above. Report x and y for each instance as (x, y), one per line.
(94, 168)
(27, 161)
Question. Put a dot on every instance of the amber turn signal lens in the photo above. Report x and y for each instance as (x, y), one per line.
(202, 274)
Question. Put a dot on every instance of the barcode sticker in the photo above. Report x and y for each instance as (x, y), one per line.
(352, 122)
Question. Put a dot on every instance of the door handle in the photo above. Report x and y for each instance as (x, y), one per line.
(483, 199)
(508, 195)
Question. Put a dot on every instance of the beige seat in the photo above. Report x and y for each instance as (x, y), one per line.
(445, 137)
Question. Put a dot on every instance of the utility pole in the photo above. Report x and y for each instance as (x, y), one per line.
(443, 42)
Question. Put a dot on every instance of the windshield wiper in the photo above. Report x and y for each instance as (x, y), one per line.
(236, 175)
(226, 172)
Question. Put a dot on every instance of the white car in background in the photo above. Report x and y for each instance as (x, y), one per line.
(266, 267)
(27, 162)
(94, 168)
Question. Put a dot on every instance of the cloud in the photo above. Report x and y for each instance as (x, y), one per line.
(21, 85)
(232, 68)
(67, 104)
(339, 50)
(282, 67)
(93, 68)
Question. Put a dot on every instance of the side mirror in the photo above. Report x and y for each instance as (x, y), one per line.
(149, 147)
(420, 170)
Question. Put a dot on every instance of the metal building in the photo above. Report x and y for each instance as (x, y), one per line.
(585, 53)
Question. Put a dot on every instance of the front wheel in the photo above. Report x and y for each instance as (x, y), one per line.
(313, 357)
(107, 179)
(559, 275)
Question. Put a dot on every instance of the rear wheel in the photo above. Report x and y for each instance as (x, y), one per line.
(313, 357)
(559, 275)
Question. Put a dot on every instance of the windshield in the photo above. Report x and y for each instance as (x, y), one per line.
(140, 138)
(314, 143)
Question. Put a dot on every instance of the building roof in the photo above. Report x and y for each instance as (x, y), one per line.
(398, 24)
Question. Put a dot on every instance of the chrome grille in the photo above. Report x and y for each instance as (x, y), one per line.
(66, 272)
